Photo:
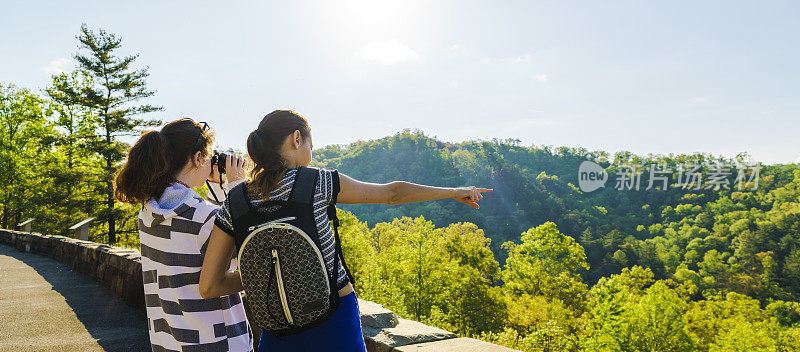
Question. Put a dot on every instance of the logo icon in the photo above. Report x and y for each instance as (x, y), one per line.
(591, 176)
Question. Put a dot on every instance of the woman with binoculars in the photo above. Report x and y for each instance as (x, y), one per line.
(175, 223)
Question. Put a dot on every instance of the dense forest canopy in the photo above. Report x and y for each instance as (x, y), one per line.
(657, 228)
(705, 257)
(709, 262)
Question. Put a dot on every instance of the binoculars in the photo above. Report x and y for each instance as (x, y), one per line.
(219, 160)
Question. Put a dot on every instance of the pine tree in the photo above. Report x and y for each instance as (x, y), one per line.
(114, 99)
(76, 125)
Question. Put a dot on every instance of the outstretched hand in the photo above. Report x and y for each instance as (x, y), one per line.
(471, 195)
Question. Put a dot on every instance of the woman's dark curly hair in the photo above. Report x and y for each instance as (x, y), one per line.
(157, 158)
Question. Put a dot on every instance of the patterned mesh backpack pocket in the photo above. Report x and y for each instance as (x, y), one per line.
(284, 275)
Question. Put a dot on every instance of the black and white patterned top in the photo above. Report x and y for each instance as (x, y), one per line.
(323, 196)
(173, 234)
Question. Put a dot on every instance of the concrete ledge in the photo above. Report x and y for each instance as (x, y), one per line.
(121, 271)
(405, 333)
(383, 330)
(462, 344)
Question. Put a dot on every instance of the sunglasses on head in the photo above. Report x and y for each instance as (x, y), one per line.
(200, 135)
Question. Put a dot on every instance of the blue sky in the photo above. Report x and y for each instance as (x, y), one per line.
(643, 76)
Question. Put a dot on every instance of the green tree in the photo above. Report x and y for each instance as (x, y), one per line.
(719, 324)
(744, 336)
(408, 271)
(357, 247)
(23, 125)
(471, 302)
(655, 322)
(113, 98)
(546, 263)
(606, 325)
(77, 169)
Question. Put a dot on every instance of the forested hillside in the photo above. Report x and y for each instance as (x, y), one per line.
(548, 267)
(755, 235)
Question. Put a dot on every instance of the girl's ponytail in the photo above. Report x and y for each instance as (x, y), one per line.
(264, 147)
(146, 172)
(157, 157)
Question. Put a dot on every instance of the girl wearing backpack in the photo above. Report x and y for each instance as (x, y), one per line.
(174, 226)
(281, 148)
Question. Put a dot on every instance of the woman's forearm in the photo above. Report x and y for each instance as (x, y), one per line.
(215, 278)
(229, 284)
(407, 192)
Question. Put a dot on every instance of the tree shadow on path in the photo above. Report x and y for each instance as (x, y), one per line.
(115, 325)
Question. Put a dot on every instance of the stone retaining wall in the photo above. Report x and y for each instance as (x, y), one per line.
(120, 270)
(116, 268)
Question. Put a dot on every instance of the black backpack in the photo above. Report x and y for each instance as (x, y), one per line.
(286, 281)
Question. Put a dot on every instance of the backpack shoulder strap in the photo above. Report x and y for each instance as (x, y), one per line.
(334, 219)
(304, 185)
(239, 203)
(339, 254)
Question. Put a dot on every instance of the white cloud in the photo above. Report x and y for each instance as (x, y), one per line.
(387, 52)
(698, 100)
(523, 58)
(540, 77)
(56, 66)
(454, 47)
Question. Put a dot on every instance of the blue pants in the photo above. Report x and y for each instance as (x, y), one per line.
(340, 333)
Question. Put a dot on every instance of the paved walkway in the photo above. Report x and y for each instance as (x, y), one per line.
(46, 306)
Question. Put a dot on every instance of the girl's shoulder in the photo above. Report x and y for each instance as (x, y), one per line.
(204, 208)
(327, 186)
(327, 182)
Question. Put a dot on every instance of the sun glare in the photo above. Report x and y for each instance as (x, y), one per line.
(377, 14)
